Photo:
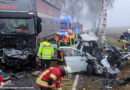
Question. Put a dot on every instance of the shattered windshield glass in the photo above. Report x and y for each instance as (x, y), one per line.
(14, 26)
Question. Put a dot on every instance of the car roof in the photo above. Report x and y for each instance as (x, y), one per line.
(89, 37)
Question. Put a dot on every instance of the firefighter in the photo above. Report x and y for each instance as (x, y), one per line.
(71, 38)
(45, 54)
(57, 37)
(65, 40)
(124, 44)
(51, 77)
(60, 56)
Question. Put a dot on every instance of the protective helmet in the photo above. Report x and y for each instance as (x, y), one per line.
(66, 34)
(65, 70)
(70, 31)
(57, 33)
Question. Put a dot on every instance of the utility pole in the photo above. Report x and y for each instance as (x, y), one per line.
(103, 40)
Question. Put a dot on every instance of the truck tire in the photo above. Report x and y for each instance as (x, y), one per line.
(33, 62)
(89, 69)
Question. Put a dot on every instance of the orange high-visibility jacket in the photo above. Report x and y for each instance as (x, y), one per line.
(71, 36)
(54, 74)
(56, 37)
(123, 44)
(65, 39)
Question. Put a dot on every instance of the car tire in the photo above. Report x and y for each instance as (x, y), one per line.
(89, 70)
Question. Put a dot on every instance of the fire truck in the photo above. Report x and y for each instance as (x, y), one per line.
(23, 24)
(77, 25)
(65, 25)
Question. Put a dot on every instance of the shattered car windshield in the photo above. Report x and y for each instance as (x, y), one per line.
(14, 26)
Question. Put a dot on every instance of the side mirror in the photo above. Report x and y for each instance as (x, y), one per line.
(39, 20)
(39, 28)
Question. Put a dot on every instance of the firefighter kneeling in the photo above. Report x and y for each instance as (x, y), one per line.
(51, 77)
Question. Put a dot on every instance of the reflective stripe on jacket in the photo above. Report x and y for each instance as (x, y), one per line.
(72, 39)
(45, 51)
(54, 74)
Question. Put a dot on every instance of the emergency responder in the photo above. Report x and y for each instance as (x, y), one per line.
(45, 54)
(124, 45)
(65, 40)
(71, 38)
(51, 77)
(60, 56)
(56, 37)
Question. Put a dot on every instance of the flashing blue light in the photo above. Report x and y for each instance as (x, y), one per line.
(66, 20)
(76, 31)
(62, 33)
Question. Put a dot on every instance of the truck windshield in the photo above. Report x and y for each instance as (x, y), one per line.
(15, 26)
(75, 25)
(63, 26)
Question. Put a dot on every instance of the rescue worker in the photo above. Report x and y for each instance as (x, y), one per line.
(57, 37)
(65, 40)
(124, 45)
(60, 56)
(45, 54)
(71, 38)
(51, 77)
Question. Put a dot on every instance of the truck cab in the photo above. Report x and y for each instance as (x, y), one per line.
(19, 28)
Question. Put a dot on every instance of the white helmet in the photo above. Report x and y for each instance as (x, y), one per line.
(66, 34)
(57, 33)
(70, 31)
(65, 70)
(68, 70)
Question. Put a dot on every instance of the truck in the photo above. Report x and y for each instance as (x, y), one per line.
(65, 25)
(24, 24)
(77, 25)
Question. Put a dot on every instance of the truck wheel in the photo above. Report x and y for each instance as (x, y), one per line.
(32, 62)
(89, 70)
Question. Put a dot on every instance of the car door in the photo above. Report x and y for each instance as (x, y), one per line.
(75, 59)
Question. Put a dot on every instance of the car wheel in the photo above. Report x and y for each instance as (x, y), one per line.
(89, 69)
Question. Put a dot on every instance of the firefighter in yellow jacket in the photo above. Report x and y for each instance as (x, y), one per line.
(45, 54)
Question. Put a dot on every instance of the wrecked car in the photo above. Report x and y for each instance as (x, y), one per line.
(99, 62)
(75, 58)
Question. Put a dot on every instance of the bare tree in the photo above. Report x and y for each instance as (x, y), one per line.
(73, 8)
(96, 10)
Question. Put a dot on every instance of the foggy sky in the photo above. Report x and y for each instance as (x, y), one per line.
(119, 15)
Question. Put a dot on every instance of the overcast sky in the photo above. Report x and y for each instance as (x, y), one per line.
(119, 15)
